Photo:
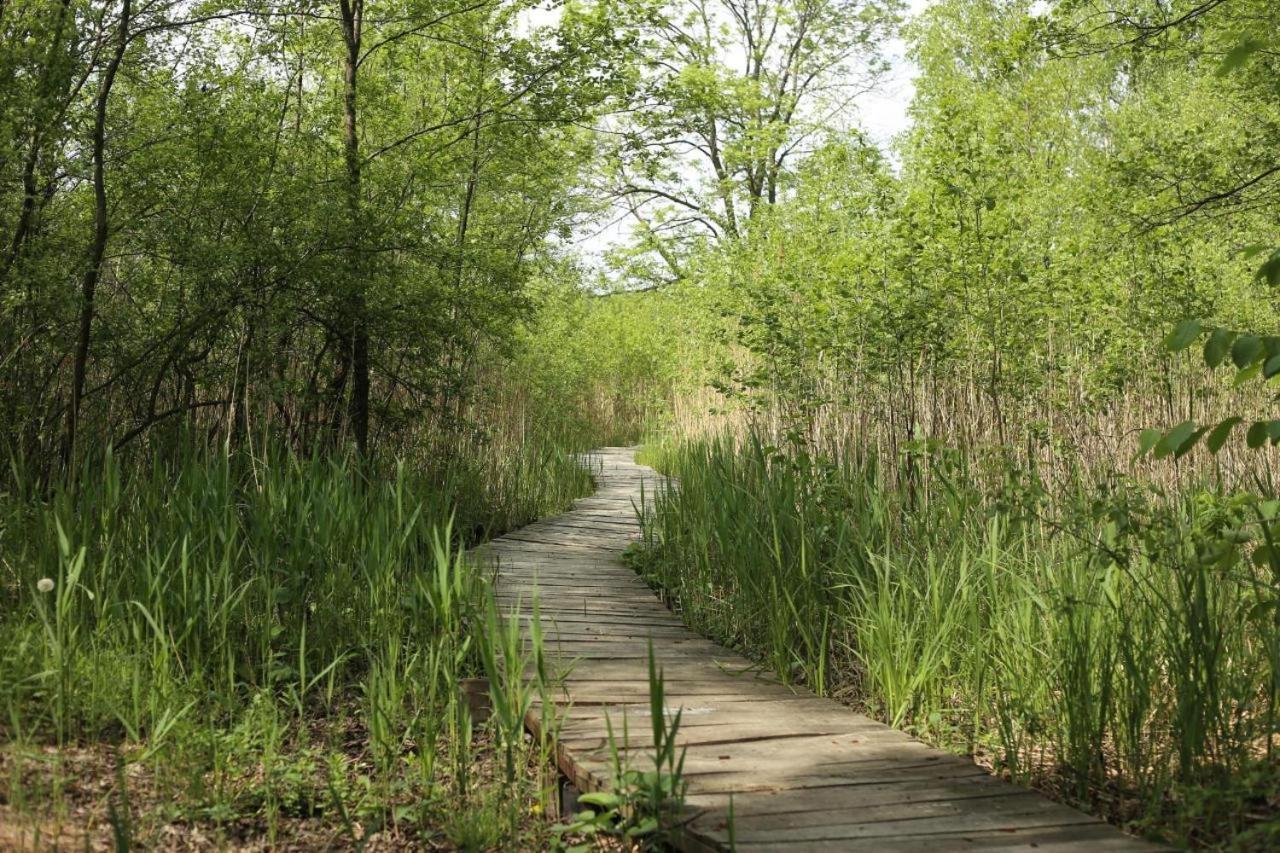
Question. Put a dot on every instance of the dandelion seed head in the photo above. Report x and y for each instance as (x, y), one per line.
(45, 584)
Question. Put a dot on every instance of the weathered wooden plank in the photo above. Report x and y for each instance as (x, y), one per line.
(1028, 811)
(851, 797)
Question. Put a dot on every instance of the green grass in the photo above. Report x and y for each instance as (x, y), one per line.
(1114, 644)
(268, 649)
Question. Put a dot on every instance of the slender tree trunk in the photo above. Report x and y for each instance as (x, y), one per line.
(357, 308)
(464, 220)
(30, 187)
(101, 230)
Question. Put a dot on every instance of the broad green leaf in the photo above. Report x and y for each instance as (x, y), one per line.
(1273, 432)
(1183, 335)
(1147, 440)
(1239, 55)
(604, 799)
(1248, 373)
(1246, 349)
(1217, 347)
(1272, 367)
(1257, 434)
(1220, 433)
(1174, 439)
(1186, 446)
(648, 826)
(1270, 269)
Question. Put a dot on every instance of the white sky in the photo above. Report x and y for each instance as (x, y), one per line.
(882, 114)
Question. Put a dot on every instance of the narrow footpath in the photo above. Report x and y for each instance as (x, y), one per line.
(804, 773)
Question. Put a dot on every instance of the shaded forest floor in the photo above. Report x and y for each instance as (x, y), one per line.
(319, 793)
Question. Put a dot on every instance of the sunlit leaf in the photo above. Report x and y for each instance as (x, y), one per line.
(1174, 439)
(1147, 440)
(1183, 335)
(604, 799)
(1248, 373)
(1186, 446)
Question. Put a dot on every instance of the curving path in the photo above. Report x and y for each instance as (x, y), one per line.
(804, 773)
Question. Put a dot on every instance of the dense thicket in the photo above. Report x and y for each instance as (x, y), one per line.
(1077, 178)
(314, 217)
(264, 272)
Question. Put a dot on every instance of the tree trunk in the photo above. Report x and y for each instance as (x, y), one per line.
(357, 308)
(30, 187)
(98, 248)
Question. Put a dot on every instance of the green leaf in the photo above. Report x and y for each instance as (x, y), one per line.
(603, 799)
(1183, 335)
(1239, 55)
(1257, 434)
(1186, 446)
(1220, 433)
(1270, 269)
(1272, 367)
(1217, 347)
(1246, 349)
(1146, 441)
(647, 826)
(1273, 432)
(1248, 373)
(1174, 439)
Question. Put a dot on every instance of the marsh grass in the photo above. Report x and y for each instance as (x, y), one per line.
(268, 649)
(1112, 642)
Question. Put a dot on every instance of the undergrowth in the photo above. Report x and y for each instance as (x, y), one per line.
(1113, 643)
(221, 650)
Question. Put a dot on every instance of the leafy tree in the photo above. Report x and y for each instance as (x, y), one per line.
(729, 98)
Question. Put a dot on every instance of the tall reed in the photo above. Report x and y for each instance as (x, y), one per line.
(1113, 642)
(266, 636)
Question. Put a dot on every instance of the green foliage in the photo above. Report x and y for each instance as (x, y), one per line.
(1002, 279)
(1112, 642)
(270, 637)
(1253, 356)
(599, 366)
(732, 93)
(249, 253)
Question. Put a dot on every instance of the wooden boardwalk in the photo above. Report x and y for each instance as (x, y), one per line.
(804, 773)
